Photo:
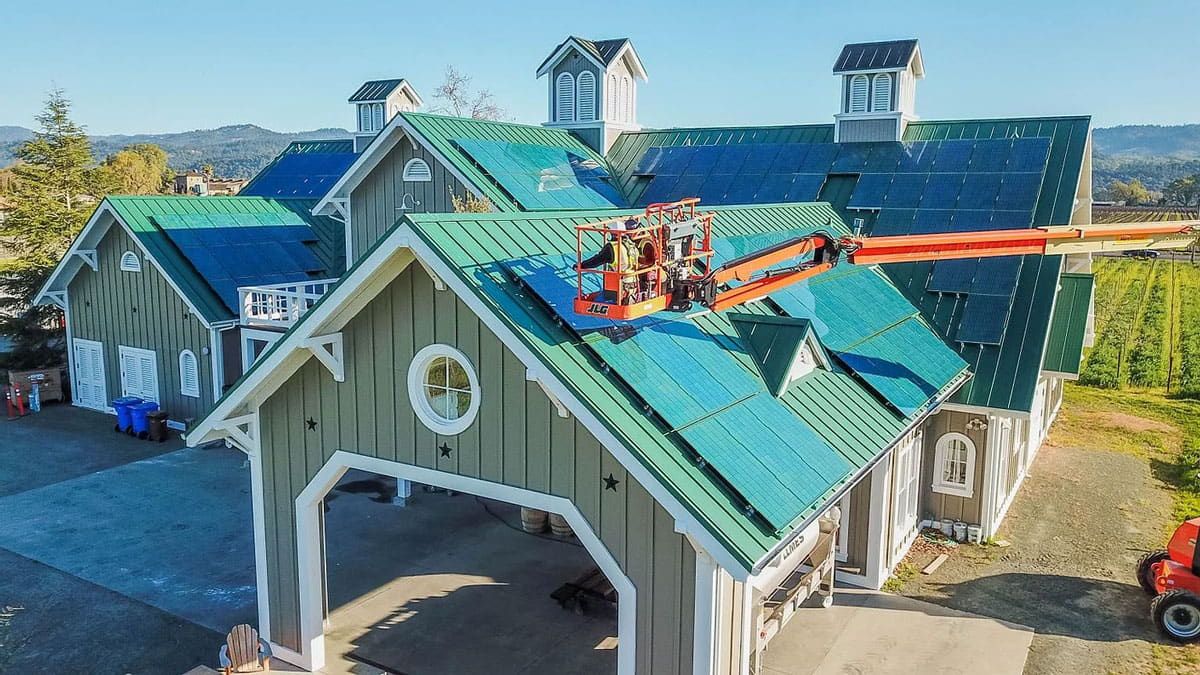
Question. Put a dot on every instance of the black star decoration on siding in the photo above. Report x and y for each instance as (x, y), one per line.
(311, 424)
(446, 450)
(611, 482)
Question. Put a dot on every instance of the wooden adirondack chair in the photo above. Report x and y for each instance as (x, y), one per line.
(245, 652)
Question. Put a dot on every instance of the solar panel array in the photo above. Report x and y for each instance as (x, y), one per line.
(306, 175)
(543, 177)
(234, 250)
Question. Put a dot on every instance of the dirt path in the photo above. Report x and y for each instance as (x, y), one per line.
(1080, 522)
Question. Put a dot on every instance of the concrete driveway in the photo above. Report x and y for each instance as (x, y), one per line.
(881, 634)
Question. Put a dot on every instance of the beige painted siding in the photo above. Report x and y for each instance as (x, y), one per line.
(139, 309)
(858, 533)
(934, 504)
(375, 203)
(517, 439)
(730, 629)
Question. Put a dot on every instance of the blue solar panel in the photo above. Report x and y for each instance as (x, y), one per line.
(227, 257)
(952, 276)
(775, 187)
(552, 279)
(1012, 220)
(851, 158)
(892, 222)
(996, 276)
(743, 188)
(687, 186)
(883, 158)
(917, 157)
(648, 164)
(731, 159)
(806, 187)
(984, 318)
(660, 189)
(972, 221)
(931, 221)
(910, 385)
(819, 158)
(1029, 155)
(824, 300)
(1019, 191)
(991, 154)
(714, 189)
(543, 177)
(790, 158)
(953, 156)
(979, 191)
(300, 175)
(673, 161)
(703, 159)
(870, 190)
(942, 191)
(761, 157)
(905, 190)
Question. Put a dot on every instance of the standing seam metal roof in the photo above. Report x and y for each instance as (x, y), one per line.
(875, 55)
(375, 90)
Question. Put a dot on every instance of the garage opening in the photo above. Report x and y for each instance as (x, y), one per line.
(424, 579)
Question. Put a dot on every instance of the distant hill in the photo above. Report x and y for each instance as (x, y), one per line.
(236, 151)
(1151, 153)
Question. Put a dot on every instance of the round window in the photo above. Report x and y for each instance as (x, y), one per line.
(444, 389)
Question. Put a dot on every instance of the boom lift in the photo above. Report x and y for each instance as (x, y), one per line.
(662, 258)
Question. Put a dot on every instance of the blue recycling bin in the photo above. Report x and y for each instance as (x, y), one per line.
(141, 423)
(122, 406)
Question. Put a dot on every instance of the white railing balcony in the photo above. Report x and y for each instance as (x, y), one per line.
(280, 305)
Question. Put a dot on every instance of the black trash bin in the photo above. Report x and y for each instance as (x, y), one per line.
(158, 425)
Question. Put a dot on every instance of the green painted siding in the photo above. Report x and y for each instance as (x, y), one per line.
(375, 203)
(1064, 350)
(139, 309)
(575, 64)
(935, 504)
(517, 439)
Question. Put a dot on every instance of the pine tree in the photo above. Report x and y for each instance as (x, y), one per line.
(53, 195)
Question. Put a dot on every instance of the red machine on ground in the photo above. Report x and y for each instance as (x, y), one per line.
(660, 259)
(1172, 576)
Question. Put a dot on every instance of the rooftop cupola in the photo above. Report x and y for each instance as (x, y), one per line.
(592, 88)
(879, 82)
(376, 103)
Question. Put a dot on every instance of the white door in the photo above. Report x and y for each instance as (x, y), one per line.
(905, 492)
(89, 374)
(139, 373)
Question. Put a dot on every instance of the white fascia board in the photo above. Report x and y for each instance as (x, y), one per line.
(984, 410)
(639, 70)
(561, 52)
(374, 153)
(90, 235)
(864, 71)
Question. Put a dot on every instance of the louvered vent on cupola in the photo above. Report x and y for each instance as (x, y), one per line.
(593, 88)
(784, 349)
(879, 81)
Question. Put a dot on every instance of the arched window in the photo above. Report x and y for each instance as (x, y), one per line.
(189, 374)
(881, 93)
(443, 389)
(626, 101)
(376, 116)
(585, 98)
(611, 95)
(364, 117)
(130, 262)
(564, 96)
(417, 171)
(858, 93)
(954, 465)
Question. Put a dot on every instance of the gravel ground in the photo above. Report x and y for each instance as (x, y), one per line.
(1075, 531)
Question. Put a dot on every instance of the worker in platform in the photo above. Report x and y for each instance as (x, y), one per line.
(621, 253)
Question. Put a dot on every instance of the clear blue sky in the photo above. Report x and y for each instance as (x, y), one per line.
(171, 66)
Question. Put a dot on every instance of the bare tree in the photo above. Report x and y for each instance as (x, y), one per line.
(456, 97)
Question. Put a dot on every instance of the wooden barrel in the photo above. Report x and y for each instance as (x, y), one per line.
(533, 520)
(559, 526)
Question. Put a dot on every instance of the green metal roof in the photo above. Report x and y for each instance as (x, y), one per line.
(138, 213)
(835, 404)
(1064, 349)
(773, 342)
(1005, 375)
(442, 132)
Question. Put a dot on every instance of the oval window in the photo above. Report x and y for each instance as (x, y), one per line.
(444, 389)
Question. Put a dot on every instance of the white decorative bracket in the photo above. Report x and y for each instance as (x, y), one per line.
(59, 298)
(243, 432)
(437, 281)
(89, 257)
(531, 376)
(342, 206)
(330, 352)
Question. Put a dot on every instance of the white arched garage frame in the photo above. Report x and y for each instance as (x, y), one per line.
(309, 548)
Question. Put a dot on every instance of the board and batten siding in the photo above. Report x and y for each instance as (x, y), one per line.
(517, 439)
(375, 204)
(936, 505)
(857, 534)
(142, 310)
(575, 63)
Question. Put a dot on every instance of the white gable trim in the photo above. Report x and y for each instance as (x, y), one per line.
(384, 142)
(399, 249)
(91, 235)
(561, 53)
(635, 61)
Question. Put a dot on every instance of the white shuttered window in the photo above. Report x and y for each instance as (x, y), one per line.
(881, 93)
(564, 92)
(189, 374)
(585, 99)
(139, 373)
(858, 93)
